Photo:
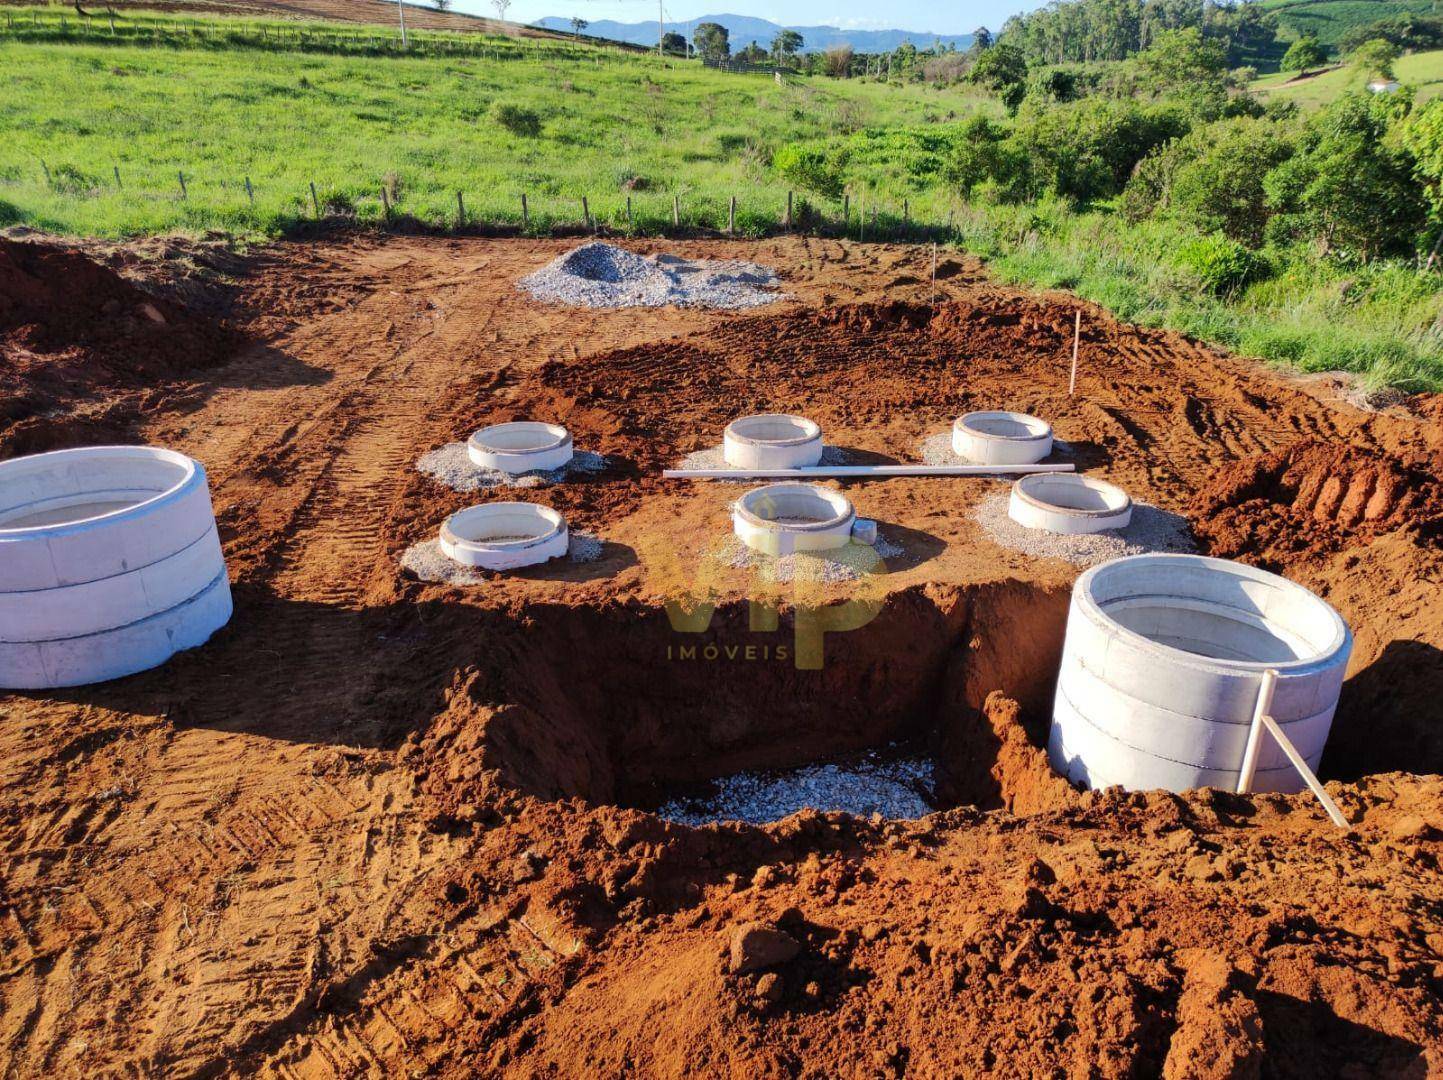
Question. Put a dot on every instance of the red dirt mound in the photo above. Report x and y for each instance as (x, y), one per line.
(70, 327)
(1312, 498)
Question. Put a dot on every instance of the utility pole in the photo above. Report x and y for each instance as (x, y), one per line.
(660, 26)
(401, 9)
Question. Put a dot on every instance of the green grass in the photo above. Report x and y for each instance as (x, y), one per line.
(1330, 20)
(1379, 322)
(612, 124)
(1422, 71)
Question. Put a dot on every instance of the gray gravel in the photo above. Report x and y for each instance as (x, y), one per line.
(452, 466)
(429, 563)
(851, 562)
(715, 458)
(875, 783)
(601, 275)
(1151, 529)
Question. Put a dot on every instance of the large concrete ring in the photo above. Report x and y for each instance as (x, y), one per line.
(780, 519)
(520, 447)
(504, 536)
(772, 441)
(1001, 438)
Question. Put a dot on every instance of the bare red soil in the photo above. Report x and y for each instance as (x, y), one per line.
(381, 827)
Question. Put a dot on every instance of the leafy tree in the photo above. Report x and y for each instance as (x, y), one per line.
(1375, 58)
(712, 41)
(1181, 57)
(1351, 186)
(1423, 137)
(1304, 54)
(673, 42)
(753, 53)
(578, 24)
(981, 38)
(786, 45)
(1003, 69)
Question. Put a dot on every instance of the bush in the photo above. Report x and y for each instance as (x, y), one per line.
(1222, 266)
(517, 120)
(811, 167)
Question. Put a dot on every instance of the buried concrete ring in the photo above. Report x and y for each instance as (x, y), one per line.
(780, 519)
(504, 536)
(1063, 503)
(772, 441)
(520, 447)
(1001, 438)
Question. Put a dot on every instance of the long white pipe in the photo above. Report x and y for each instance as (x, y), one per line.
(1309, 778)
(812, 471)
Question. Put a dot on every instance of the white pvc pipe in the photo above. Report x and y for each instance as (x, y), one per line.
(837, 471)
(1255, 732)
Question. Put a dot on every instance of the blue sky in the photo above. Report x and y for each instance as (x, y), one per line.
(960, 17)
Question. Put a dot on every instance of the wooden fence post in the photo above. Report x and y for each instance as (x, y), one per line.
(788, 222)
(460, 211)
(315, 199)
(676, 211)
(250, 192)
(732, 218)
(116, 170)
(385, 200)
(628, 213)
(184, 193)
(525, 213)
(846, 210)
(585, 212)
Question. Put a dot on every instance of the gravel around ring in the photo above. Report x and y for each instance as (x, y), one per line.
(429, 563)
(452, 465)
(1151, 529)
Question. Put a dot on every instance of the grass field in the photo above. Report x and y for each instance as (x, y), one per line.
(1329, 20)
(611, 124)
(1422, 71)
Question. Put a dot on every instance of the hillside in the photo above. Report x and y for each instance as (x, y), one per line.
(1329, 20)
(745, 30)
(1422, 71)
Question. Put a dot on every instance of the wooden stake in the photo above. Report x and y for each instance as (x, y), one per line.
(628, 213)
(385, 200)
(315, 199)
(460, 211)
(184, 194)
(525, 213)
(1076, 340)
(585, 212)
(676, 210)
(251, 192)
(116, 170)
(788, 222)
(846, 210)
(732, 218)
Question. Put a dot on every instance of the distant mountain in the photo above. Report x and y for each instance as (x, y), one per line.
(743, 30)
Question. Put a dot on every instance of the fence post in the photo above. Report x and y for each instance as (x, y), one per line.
(385, 200)
(846, 211)
(585, 212)
(628, 213)
(525, 213)
(788, 222)
(315, 199)
(460, 211)
(732, 218)
(676, 211)
(250, 192)
(116, 170)
(180, 175)
(906, 214)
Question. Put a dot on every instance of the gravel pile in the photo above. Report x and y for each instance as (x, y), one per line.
(1151, 529)
(876, 783)
(452, 466)
(715, 458)
(851, 562)
(429, 563)
(602, 276)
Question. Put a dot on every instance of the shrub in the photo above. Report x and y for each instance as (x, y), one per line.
(811, 167)
(1222, 266)
(517, 120)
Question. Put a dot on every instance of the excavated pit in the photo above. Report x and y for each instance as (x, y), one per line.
(616, 705)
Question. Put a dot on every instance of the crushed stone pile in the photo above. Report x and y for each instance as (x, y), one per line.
(875, 783)
(850, 562)
(601, 275)
(1151, 529)
(452, 465)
